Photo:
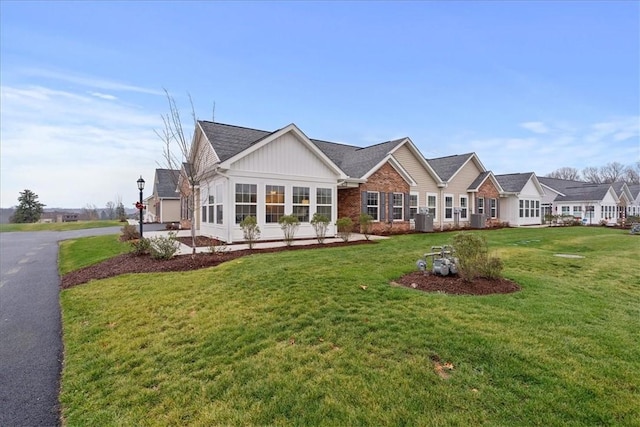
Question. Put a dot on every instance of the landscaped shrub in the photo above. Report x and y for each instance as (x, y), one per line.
(345, 226)
(472, 252)
(320, 224)
(164, 247)
(129, 232)
(218, 248)
(140, 246)
(366, 222)
(250, 230)
(289, 225)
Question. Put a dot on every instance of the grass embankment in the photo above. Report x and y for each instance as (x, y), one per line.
(292, 338)
(60, 226)
(78, 253)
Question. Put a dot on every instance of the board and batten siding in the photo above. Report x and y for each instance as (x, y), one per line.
(285, 155)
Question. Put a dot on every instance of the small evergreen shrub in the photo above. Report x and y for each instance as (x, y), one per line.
(162, 247)
(366, 222)
(140, 247)
(289, 225)
(345, 226)
(250, 230)
(320, 223)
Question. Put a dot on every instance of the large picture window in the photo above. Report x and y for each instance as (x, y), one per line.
(246, 201)
(301, 203)
(373, 205)
(323, 202)
(274, 203)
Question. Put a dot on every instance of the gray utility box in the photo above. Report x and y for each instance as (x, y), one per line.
(424, 222)
(478, 220)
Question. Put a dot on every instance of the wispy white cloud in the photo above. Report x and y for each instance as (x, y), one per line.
(536, 127)
(103, 96)
(73, 148)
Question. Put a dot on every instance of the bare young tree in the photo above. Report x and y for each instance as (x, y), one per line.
(632, 173)
(110, 210)
(90, 212)
(567, 173)
(612, 172)
(180, 154)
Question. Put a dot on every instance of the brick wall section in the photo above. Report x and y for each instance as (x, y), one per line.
(386, 179)
(488, 191)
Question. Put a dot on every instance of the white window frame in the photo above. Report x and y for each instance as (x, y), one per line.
(321, 201)
(371, 207)
(398, 208)
(448, 207)
(432, 210)
(301, 204)
(219, 204)
(493, 207)
(413, 208)
(480, 208)
(244, 203)
(464, 208)
(271, 192)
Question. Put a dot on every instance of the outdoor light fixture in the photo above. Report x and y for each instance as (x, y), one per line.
(140, 205)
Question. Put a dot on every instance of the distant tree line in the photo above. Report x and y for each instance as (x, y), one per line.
(607, 174)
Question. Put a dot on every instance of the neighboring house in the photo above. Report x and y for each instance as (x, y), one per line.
(163, 205)
(592, 203)
(633, 209)
(485, 191)
(469, 188)
(521, 202)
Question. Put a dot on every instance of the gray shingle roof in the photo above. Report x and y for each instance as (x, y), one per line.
(229, 140)
(479, 180)
(165, 183)
(514, 182)
(447, 166)
(634, 189)
(560, 185)
(575, 191)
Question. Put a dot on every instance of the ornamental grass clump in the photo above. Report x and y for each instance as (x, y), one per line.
(474, 261)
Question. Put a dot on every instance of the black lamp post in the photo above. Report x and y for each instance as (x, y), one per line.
(141, 187)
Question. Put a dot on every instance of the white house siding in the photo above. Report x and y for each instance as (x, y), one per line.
(510, 206)
(286, 161)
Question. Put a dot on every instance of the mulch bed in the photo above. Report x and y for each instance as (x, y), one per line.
(129, 263)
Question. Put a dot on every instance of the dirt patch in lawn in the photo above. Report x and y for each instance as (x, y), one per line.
(455, 285)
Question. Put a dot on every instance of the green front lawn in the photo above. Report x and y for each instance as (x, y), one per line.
(60, 226)
(292, 338)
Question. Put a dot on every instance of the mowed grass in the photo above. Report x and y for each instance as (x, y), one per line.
(78, 253)
(60, 226)
(292, 339)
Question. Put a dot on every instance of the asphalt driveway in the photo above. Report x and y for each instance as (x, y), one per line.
(30, 329)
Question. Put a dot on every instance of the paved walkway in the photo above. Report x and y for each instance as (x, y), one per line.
(185, 249)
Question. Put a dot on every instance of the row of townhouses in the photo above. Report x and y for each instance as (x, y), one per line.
(249, 172)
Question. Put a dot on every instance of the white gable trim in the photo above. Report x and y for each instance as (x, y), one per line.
(420, 157)
(275, 135)
(394, 164)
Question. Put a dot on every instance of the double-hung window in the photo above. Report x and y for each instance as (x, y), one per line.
(219, 209)
(323, 202)
(211, 207)
(480, 205)
(521, 208)
(274, 203)
(448, 206)
(526, 208)
(413, 205)
(398, 206)
(493, 205)
(464, 207)
(246, 201)
(432, 205)
(373, 205)
(301, 203)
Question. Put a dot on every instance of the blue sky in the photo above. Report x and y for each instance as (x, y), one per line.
(528, 86)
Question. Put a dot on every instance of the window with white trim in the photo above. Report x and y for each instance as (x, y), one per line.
(246, 201)
(464, 207)
(273, 203)
(301, 203)
(432, 205)
(526, 208)
(448, 206)
(577, 211)
(398, 206)
(480, 205)
(413, 205)
(373, 205)
(324, 202)
(219, 198)
(210, 208)
(566, 210)
(493, 206)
